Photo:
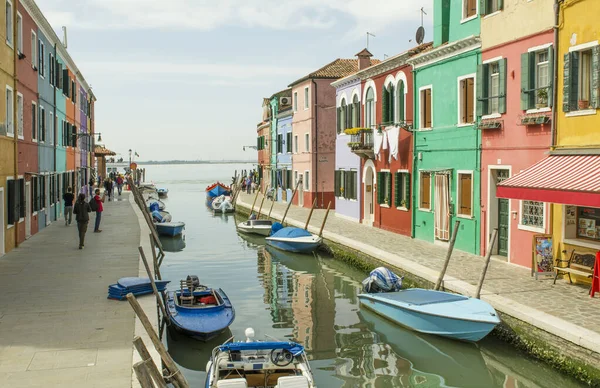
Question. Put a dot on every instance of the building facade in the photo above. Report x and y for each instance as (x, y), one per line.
(285, 183)
(263, 143)
(278, 101)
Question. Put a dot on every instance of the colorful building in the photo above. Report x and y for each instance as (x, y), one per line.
(279, 101)
(263, 142)
(514, 110)
(286, 183)
(569, 177)
(446, 173)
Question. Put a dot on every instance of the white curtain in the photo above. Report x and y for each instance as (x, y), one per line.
(442, 207)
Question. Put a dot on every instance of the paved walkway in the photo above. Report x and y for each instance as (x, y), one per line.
(563, 309)
(57, 328)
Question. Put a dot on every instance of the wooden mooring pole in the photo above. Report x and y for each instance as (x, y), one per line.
(159, 300)
(488, 257)
(143, 374)
(291, 200)
(262, 202)
(324, 220)
(271, 208)
(254, 203)
(145, 356)
(310, 214)
(438, 284)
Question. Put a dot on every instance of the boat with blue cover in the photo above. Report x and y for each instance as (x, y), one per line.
(172, 228)
(199, 311)
(216, 190)
(294, 239)
(276, 364)
(162, 192)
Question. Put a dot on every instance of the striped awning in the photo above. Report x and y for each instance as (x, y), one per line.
(564, 179)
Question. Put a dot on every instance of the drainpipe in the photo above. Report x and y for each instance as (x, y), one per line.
(54, 135)
(415, 155)
(15, 122)
(555, 75)
(316, 132)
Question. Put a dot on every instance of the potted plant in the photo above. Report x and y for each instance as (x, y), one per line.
(542, 101)
(583, 104)
(403, 203)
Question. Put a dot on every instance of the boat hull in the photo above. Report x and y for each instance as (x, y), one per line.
(261, 230)
(443, 324)
(170, 229)
(293, 246)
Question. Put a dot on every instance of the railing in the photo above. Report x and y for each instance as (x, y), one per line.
(362, 143)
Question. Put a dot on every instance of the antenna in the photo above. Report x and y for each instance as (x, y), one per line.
(422, 13)
(373, 35)
(385, 56)
(420, 36)
(64, 42)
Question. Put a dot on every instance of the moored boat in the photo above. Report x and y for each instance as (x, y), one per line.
(199, 311)
(150, 203)
(215, 190)
(162, 192)
(259, 227)
(173, 228)
(222, 204)
(277, 364)
(294, 239)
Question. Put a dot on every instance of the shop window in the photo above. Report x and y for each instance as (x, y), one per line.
(425, 191)
(532, 214)
(588, 223)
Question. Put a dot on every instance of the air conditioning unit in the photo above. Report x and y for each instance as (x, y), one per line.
(285, 101)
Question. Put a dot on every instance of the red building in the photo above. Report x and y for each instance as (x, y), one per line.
(263, 142)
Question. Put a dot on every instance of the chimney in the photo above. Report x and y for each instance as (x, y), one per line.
(364, 59)
(64, 42)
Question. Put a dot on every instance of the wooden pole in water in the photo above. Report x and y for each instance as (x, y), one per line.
(438, 284)
(254, 203)
(290, 201)
(156, 293)
(262, 202)
(271, 208)
(488, 257)
(154, 258)
(310, 214)
(165, 356)
(143, 374)
(324, 219)
(152, 368)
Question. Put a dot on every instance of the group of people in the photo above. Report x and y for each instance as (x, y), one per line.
(249, 182)
(113, 181)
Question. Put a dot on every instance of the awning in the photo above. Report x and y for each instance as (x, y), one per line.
(564, 179)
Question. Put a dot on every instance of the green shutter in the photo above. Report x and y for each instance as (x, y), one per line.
(525, 81)
(407, 190)
(384, 105)
(595, 98)
(337, 183)
(551, 75)
(389, 187)
(401, 102)
(380, 193)
(339, 120)
(500, 5)
(348, 116)
(482, 82)
(574, 87)
(392, 105)
(567, 82)
(502, 75)
(483, 7)
(397, 189)
(357, 111)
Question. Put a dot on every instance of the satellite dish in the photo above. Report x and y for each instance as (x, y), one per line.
(420, 35)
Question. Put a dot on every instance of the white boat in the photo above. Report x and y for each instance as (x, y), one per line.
(276, 364)
(222, 204)
(260, 227)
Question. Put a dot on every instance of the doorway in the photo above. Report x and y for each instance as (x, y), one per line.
(27, 209)
(2, 227)
(441, 207)
(369, 191)
(499, 212)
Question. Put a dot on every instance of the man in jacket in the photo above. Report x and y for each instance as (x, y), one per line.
(82, 209)
(99, 209)
(68, 197)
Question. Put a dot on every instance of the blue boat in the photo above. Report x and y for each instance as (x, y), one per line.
(171, 229)
(162, 192)
(198, 311)
(216, 190)
(294, 239)
(435, 312)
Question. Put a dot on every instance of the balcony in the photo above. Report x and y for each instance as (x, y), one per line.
(361, 142)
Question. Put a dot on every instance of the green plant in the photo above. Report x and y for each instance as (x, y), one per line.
(542, 96)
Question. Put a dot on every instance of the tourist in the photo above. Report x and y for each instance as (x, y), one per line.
(82, 210)
(108, 188)
(119, 184)
(249, 185)
(99, 209)
(68, 197)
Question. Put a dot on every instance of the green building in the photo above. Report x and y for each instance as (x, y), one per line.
(447, 158)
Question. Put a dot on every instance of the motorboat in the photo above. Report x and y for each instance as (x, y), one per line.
(277, 364)
(215, 190)
(161, 216)
(151, 201)
(260, 227)
(162, 192)
(172, 228)
(294, 239)
(198, 311)
(222, 204)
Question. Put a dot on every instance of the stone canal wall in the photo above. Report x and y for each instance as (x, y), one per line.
(555, 338)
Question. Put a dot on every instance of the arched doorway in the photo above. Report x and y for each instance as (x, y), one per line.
(369, 193)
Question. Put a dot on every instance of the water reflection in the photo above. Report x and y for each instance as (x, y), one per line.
(173, 244)
(192, 354)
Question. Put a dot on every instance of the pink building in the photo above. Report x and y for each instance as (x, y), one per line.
(514, 102)
(314, 132)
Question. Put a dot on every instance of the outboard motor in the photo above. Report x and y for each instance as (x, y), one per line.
(193, 279)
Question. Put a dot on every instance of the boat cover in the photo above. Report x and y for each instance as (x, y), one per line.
(420, 297)
(157, 216)
(291, 232)
(293, 347)
(276, 227)
(154, 206)
(382, 280)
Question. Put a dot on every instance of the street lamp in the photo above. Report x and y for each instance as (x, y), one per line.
(130, 158)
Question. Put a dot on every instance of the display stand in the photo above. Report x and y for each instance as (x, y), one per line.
(596, 278)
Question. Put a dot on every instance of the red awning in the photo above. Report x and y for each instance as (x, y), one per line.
(565, 179)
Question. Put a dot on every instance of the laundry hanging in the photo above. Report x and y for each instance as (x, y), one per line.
(393, 135)
(377, 142)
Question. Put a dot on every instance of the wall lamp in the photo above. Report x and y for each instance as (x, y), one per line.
(84, 134)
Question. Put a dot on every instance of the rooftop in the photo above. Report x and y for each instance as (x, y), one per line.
(336, 69)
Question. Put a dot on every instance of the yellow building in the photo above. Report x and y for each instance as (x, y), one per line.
(8, 130)
(569, 177)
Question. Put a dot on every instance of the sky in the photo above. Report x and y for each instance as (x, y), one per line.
(185, 79)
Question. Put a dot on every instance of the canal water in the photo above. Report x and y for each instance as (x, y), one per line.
(313, 300)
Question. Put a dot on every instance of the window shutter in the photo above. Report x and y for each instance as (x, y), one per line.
(389, 187)
(500, 5)
(407, 190)
(483, 7)
(397, 189)
(551, 76)
(380, 193)
(566, 82)
(502, 88)
(401, 116)
(258, 143)
(595, 100)
(336, 178)
(339, 120)
(574, 87)
(391, 104)
(357, 114)
(525, 81)
(481, 90)
(428, 104)
(384, 105)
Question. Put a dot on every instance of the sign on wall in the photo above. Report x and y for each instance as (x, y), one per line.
(543, 257)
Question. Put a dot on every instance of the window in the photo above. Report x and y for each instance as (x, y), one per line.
(402, 190)
(384, 188)
(9, 25)
(370, 109)
(42, 120)
(295, 177)
(306, 98)
(426, 116)
(306, 180)
(20, 115)
(288, 142)
(307, 143)
(295, 101)
(52, 69)
(34, 120)
(465, 194)
(425, 191)
(469, 8)
(588, 223)
(532, 214)
(19, 33)
(582, 77)
(355, 112)
(491, 88)
(466, 102)
(536, 78)
(400, 115)
(41, 59)
(73, 92)
(10, 129)
(33, 49)
(491, 6)
(279, 143)
(51, 128)
(388, 104)
(345, 185)
(296, 144)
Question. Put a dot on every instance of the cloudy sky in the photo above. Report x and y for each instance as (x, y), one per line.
(184, 79)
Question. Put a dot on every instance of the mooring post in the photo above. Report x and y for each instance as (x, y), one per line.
(488, 257)
(143, 374)
(254, 203)
(271, 208)
(154, 258)
(152, 368)
(291, 200)
(156, 293)
(310, 214)
(324, 219)
(262, 202)
(438, 284)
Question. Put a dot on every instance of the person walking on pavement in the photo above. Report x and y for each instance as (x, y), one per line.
(249, 185)
(99, 209)
(68, 197)
(82, 216)
(120, 184)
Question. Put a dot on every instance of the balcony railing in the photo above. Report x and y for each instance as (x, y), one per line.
(361, 142)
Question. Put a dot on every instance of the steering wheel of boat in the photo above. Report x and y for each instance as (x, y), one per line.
(281, 357)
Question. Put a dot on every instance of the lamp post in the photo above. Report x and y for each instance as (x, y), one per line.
(130, 158)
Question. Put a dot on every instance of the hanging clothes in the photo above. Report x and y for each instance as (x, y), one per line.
(393, 136)
(377, 143)
(385, 139)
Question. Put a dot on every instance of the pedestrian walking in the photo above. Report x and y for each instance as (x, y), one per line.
(120, 184)
(68, 197)
(249, 185)
(98, 208)
(82, 216)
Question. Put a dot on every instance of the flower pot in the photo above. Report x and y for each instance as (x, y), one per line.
(583, 104)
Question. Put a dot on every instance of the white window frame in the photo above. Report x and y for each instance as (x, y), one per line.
(34, 48)
(400, 77)
(306, 97)
(10, 116)
(34, 134)
(421, 127)
(10, 38)
(528, 227)
(401, 172)
(306, 179)
(295, 101)
(464, 17)
(295, 144)
(421, 191)
(459, 80)
(19, 33)
(307, 142)
(459, 192)
(20, 121)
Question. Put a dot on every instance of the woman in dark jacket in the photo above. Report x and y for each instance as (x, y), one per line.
(82, 210)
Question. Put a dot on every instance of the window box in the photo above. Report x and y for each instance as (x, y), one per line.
(534, 119)
(490, 124)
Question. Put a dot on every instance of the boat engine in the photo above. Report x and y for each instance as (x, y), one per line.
(193, 279)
